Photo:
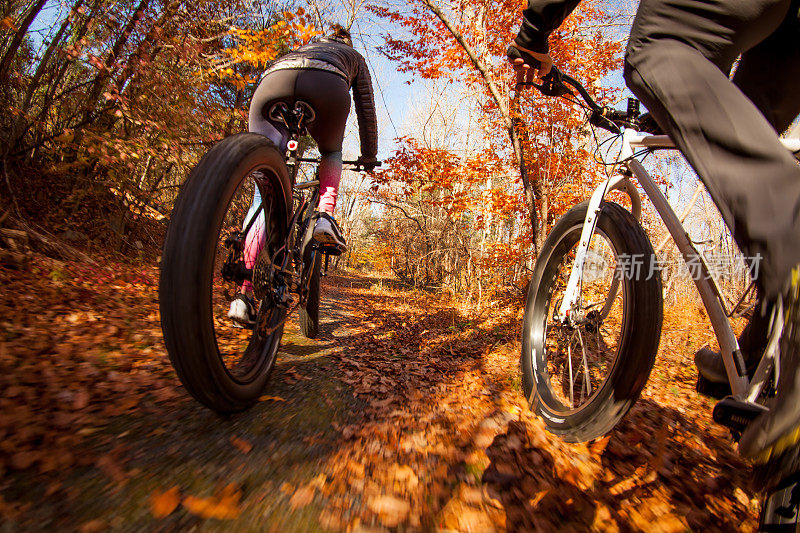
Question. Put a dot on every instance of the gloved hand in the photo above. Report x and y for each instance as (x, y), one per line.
(528, 63)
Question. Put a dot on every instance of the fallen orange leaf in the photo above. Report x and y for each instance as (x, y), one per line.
(163, 503)
(273, 398)
(241, 444)
(302, 497)
(93, 526)
(225, 506)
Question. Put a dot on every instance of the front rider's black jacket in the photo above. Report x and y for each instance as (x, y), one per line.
(540, 19)
(336, 56)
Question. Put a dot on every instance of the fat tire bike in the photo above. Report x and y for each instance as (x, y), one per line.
(226, 367)
(594, 308)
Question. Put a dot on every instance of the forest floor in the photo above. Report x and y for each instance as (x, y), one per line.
(405, 414)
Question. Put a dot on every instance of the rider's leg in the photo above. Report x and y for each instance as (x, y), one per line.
(752, 342)
(330, 174)
(255, 238)
(777, 57)
(755, 182)
(326, 230)
(769, 72)
(683, 81)
(241, 307)
(332, 108)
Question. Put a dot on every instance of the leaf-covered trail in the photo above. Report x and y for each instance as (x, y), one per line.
(406, 413)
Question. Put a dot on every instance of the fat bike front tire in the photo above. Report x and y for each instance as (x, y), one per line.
(582, 377)
(222, 366)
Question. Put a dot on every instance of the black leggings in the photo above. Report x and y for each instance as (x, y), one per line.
(326, 92)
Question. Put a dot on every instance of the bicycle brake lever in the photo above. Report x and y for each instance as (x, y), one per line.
(552, 84)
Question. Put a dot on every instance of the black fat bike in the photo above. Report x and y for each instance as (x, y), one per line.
(224, 366)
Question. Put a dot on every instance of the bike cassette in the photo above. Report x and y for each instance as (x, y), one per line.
(736, 415)
(263, 276)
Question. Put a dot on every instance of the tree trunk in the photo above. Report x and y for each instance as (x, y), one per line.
(16, 42)
(150, 39)
(540, 233)
(100, 81)
(55, 80)
(511, 126)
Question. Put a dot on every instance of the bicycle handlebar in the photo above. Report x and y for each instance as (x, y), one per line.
(556, 83)
(356, 165)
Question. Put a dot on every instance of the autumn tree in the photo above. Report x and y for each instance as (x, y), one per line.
(541, 141)
(122, 98)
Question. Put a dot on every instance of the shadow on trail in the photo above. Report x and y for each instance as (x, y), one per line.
(661, 466)
(266, 452)
(656, 472)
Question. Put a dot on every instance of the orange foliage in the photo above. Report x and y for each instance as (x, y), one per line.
(485, 189)
(256, 48)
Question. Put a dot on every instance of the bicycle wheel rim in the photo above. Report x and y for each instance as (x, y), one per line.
(551, 368)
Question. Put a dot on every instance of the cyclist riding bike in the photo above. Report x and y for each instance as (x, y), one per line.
(677, 62)
(319, 74)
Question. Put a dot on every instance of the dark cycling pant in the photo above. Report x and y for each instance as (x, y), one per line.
(329, 95)
(326, 92)
(677, 63)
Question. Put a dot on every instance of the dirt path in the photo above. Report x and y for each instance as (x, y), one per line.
(405, 413)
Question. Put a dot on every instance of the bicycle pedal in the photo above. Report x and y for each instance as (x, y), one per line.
(711, 389)
(736, 415)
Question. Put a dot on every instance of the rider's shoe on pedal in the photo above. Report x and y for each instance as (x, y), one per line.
(326, 232)
(712, 378)
(242, 312)
(771, 440)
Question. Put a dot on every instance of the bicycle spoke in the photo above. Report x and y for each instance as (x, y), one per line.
(586, 380)
(571, 385)
(575, 383)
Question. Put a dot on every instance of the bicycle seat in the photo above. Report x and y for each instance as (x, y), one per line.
(296, 118)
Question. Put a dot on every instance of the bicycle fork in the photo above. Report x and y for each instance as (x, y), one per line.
(743, 389)
(570, 302)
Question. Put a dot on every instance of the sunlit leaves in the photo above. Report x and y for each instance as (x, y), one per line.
(257, 48)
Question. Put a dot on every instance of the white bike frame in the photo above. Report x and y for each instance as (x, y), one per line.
(742, 388)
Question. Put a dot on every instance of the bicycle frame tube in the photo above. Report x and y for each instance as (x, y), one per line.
(709, 293)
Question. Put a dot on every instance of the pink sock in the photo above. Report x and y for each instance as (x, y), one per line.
(330, 174)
